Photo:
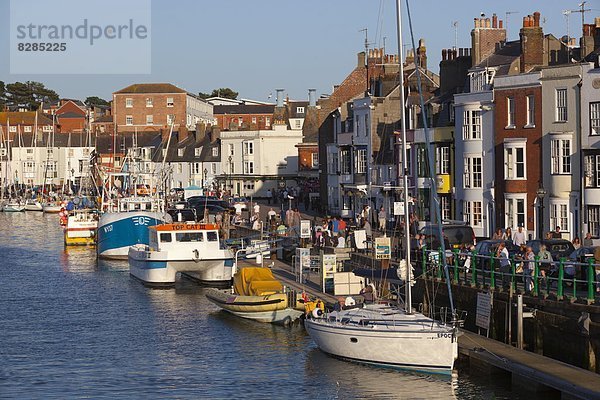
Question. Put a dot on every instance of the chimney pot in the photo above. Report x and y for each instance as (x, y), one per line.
(444, 54)
(500, 24)
(494, 21)
(536, 18)
(488, 23)
(476, 22)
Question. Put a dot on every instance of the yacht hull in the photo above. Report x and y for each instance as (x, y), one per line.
(388, 344)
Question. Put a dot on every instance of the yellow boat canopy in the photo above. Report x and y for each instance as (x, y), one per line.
(256, 281)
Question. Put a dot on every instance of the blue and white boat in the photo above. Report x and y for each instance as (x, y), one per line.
(119, 230)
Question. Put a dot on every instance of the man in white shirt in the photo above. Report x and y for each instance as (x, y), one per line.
(238, 208)
(256, 208)
(271, 214)
(519, 237)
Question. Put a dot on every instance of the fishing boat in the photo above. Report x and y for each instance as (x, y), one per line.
(258, 296)
(33, 205)
(190, 248)
(386, 334)
(81, 226)
(127, 225)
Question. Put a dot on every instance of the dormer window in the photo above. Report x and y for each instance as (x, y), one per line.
(299, 110)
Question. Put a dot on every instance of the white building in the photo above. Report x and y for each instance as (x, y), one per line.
(254, 161)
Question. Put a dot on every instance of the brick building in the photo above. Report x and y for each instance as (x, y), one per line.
(152, 107)
(71, 116)
(518, 145)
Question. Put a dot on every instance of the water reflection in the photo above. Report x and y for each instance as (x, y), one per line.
(78, 259)
(362, 381)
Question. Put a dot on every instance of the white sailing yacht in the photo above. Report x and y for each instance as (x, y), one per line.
(33, 204)
(14, 203)
(384, 334)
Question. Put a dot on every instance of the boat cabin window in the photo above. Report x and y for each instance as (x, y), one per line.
(166, 237)
(212, 236)
(189, 237)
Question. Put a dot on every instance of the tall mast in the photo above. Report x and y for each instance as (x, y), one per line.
(407, 288)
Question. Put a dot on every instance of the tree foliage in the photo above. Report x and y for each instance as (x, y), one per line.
(95, 101)
(28, 95)
(2, 95)
(226, 93)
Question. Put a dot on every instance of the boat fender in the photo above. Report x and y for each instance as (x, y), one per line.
(349, 302)
(196, 255)
(317, 313)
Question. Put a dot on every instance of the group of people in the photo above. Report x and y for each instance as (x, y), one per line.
(331, 232)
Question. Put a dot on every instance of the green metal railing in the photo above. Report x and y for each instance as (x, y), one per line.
(580, 283)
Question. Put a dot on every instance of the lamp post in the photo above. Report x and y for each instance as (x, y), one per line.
(541, 193)
(204, 178)
(230, 172)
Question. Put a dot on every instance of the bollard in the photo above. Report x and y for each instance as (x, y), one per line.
(536, 273)
(474, 269)
(590, 281)
(561, 276)
(455, 279)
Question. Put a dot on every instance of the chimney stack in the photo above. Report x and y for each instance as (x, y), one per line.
(532, 43)
(312, 97)
(361, 59)
(280, 97)
(485, 38)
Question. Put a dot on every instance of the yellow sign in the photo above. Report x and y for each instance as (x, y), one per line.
(443, 183)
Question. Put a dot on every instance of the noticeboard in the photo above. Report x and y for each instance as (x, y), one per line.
(383, 248)
(484, 310)
(305, 229)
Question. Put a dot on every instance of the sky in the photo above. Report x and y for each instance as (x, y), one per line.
(257, 46)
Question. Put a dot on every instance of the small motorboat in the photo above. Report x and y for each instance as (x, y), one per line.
(52, 208)
(258, 296)
(33, 205)
(13, 206)
(257, 247)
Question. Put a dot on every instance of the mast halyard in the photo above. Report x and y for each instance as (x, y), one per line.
(407, 288)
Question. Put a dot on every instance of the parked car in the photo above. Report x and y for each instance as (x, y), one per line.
(572, 265)
(557, 247)
(488, 248)
(456, 235)
(205, 201)
(180, 214)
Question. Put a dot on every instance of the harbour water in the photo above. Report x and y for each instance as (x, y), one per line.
(72, 327)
